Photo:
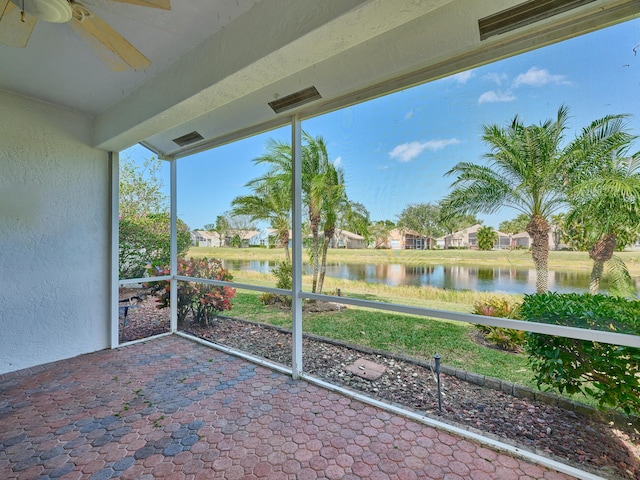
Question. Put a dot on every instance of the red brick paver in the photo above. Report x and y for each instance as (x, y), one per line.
(172, 408)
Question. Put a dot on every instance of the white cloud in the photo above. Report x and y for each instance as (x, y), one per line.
(538, 77)
(408, 115)
(496, 78)
(462, 77)
(337, 162)
(494, 97)
(408, 151)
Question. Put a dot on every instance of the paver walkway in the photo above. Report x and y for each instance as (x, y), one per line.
(172, 408)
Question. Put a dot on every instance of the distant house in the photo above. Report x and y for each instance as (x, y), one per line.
(203, 238)
(465, 238)
(394, 240)
(504, 241)
(523, 240)
(345, 239)
(265, 238)
(196, 238)
(400, 239)
(520, 240)
(468, 238)
(247, 237)
(253, 238)
(268, 238)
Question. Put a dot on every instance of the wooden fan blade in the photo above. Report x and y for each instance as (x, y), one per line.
(163, 4)
(111, 47)
(13, 31)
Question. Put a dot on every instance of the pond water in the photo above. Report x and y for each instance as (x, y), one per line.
(456, 277)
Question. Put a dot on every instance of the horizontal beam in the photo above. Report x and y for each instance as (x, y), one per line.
(622, 339)
(534, 327)
(241, 286)
(133, 281)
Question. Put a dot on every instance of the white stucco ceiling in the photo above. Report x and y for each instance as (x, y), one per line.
(216, 64)
(57, 67)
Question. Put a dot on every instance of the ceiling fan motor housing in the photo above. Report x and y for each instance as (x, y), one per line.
(54, 11)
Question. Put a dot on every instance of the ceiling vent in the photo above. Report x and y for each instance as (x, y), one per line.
(295, 100)
(525, 14)
(188, 139)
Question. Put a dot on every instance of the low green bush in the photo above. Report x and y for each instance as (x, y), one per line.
(608, 373)
(283, 272)
(202, 300)
(507, 339)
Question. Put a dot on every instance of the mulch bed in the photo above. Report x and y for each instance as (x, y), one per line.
(144, 319)
(588, 443)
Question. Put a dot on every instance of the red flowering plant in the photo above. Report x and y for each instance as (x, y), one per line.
(201, 300)
(507, 339)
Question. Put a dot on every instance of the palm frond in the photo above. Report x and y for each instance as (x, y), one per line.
(620, 281)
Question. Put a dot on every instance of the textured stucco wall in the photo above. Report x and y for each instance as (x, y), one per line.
(54, 235)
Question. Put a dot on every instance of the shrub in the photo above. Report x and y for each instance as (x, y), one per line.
(202, 300)
(505, 338)
(608, 373)
(236, 241)
(145, 240)
(487, 238)
(283, 272)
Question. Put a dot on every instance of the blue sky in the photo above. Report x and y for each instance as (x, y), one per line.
(396, 149)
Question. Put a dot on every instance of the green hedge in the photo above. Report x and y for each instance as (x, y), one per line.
(608, 373)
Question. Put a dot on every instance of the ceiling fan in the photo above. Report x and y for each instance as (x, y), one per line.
(19, 17)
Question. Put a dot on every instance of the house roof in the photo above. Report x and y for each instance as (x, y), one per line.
(467, 230)
(215, 66)
(273, 231)
(244, 234)
(351, 235)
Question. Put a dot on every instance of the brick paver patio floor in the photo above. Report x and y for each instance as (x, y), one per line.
(172, 408)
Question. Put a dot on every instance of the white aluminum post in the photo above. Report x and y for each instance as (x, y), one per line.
(174, 248)
(114, 166)
(296, 223)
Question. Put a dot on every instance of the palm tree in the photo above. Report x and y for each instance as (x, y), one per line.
(487, 238)
(270, 201)
(530, 171)
(322, 191)
(317, 181)
(330, 185)
(609, 199)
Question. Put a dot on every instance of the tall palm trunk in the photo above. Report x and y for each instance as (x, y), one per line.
(538, 228)
(314, 221)
(328, 235)
(600, 253)
(284, 239)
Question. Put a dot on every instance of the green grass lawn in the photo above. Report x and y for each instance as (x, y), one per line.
(419, 337)
(415, 336)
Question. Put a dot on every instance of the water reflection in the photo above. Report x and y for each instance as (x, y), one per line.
(455, 277)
